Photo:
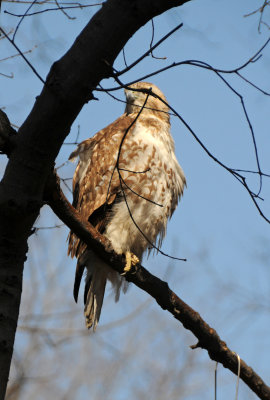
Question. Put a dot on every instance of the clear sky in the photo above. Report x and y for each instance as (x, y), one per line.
(216, 226)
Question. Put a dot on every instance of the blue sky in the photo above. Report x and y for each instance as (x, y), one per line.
(216, 226)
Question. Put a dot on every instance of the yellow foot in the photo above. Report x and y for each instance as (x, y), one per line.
(131, 261)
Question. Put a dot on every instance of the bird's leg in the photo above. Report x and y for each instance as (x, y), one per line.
(131, 261)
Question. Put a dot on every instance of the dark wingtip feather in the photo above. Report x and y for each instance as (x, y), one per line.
(77, 281)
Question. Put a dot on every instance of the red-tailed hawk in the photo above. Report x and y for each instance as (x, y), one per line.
(127, 184)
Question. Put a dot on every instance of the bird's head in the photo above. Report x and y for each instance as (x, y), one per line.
(137, 94)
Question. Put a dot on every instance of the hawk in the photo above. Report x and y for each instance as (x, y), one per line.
(127, 185)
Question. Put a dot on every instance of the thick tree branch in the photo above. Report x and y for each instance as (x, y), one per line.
(208, 338)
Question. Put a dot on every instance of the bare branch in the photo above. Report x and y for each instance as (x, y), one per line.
(39, 228)
(7, 76)
(18, 54)
(22, 54)
(261, 11)
(21, 20)
(59, 8)
(152, 40)
(150, 50)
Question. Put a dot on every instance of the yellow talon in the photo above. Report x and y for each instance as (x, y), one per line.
(131, 261)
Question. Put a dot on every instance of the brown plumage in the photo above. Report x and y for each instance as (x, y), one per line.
(147, 191)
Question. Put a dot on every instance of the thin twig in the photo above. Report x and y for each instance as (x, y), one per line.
(150, 50)
(151, 43)
(39, 228)
(124, 56)
(18, 54)
(23, 56)
(60, 8)
(21, 20)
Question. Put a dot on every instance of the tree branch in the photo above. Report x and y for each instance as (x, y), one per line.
(208, 338)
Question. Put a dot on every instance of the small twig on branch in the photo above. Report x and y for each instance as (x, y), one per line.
(124, 56)
(151, 43)
(18, 54)
(248, 171)
(11, 76)
(66, 185)
(21, 20)
(59, 8)
(208, 338)
(150, 50)
(252, 84)
(261, 11)
(11, 41)
(39, 228)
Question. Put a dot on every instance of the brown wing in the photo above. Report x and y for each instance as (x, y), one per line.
(96, 183)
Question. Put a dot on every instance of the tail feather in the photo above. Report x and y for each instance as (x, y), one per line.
(98, 272)
(86, 289)
(77, 282)
(94, 293)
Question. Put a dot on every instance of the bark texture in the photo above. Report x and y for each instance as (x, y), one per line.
(68, 87)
